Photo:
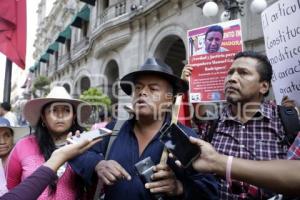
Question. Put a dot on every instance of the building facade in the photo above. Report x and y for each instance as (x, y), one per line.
(93, 43)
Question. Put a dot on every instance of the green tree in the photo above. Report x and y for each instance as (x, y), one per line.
(95, 96)
(98, 100)
(41, 87)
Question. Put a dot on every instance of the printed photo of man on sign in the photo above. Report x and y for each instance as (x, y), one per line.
(211, 50)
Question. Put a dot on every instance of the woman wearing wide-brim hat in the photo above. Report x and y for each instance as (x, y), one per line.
(53, 118)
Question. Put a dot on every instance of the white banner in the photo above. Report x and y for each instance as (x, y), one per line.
(281, 27)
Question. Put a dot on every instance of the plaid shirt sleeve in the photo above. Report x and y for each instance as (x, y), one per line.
(294, 150)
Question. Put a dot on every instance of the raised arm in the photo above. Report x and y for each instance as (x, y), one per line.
(281, 176)
(36, 183)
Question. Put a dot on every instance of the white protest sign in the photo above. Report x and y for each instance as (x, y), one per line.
(281, 27)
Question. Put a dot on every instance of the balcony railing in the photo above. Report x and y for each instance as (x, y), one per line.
(144, 2)
(120, 8)
(112, 11)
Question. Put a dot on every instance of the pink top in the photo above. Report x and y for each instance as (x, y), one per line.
(25, 158)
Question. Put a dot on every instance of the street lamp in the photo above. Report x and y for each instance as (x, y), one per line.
(232, 8)
(210, 9)
(257, 6)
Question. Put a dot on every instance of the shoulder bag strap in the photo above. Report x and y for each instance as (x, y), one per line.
(112, 138)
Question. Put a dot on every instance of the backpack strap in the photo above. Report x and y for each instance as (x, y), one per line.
(211, 128)
(112, 138)
(290, 122)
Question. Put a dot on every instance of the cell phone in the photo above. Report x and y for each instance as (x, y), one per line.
(177, 142)
(145, 171)
(90, 135)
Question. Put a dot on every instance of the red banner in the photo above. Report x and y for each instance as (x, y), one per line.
(211, 52)
(13, 30)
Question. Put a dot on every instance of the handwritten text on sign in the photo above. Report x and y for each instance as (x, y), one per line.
(282, 42)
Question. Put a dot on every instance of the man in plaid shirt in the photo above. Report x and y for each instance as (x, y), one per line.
(248, 127)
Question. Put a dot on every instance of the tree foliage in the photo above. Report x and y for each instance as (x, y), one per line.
(98, 100)
(95, 97)
(41, 87)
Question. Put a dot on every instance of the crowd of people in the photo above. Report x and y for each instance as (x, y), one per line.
(245, 151)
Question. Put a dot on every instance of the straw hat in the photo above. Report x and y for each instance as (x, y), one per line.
(32, 109)
(156, 67)
(18, 132)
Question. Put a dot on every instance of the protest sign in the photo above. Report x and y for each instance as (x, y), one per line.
(282, 41)
(211, 55)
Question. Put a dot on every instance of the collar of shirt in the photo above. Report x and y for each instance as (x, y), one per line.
(266, 110)
(167, 120)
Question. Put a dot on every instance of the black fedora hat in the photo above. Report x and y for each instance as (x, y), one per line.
(154, 66)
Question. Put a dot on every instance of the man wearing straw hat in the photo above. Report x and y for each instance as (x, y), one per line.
(153, 88)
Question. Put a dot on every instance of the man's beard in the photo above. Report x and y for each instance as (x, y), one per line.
(231, 100)
(240, 100)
